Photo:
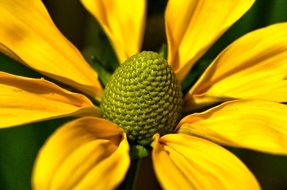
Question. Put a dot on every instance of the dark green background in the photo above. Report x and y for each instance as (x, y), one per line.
(19, 145)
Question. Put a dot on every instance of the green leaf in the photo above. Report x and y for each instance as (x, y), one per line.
(163, 51)
(103, 74)
(99, 46)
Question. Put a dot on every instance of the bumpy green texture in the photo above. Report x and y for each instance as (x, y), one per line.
(143, 97)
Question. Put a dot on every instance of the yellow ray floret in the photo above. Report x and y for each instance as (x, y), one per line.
(28, 35)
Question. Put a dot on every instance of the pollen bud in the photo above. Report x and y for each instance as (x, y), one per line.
(143, 97)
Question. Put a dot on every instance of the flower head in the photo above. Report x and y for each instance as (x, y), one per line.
(246, 82)
(143, 97)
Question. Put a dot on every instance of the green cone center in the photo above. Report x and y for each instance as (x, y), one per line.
(143, 97)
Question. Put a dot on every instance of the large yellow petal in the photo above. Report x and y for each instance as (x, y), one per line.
(186, 162)
(87, 153)
(28, 34)
(257, 125)
(253, 67)
(123, 21)
(24, 100)
(193, 26)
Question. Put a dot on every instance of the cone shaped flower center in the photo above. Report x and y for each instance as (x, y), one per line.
(143, 97)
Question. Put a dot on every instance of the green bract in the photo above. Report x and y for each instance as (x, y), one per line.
(143, 97)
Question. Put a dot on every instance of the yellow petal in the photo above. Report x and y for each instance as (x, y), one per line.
(28, 34)
(24, 100)
(87, 153)
(193, 26)
(253, 67)
(257, 125)
(123, 21)
(187, 162)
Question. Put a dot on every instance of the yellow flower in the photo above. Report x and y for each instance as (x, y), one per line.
(247, 79)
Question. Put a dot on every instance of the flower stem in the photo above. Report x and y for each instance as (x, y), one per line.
(145, 176)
